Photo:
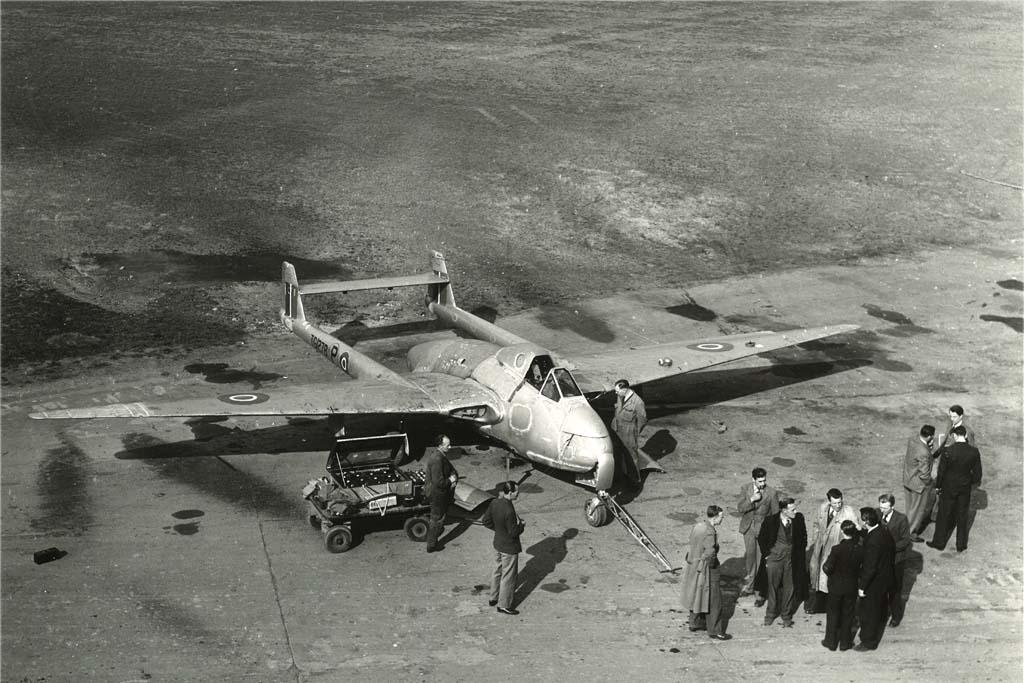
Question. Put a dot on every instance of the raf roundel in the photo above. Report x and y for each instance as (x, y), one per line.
(710, 347)
(244, 399)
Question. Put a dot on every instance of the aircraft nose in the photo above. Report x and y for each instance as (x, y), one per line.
(583, 421)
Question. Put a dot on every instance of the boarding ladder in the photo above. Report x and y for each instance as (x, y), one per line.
(635, 531)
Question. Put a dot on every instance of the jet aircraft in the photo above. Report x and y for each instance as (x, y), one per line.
(507, 388)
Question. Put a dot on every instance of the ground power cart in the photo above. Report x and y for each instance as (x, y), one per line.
(366, 490)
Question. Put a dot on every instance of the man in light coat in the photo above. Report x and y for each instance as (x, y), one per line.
(702, 592)
(629, 420)
(918, 484)
(827, 533)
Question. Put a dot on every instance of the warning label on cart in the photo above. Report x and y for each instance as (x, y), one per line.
(382, 504)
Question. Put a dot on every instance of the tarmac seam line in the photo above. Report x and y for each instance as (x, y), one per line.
(277, 599)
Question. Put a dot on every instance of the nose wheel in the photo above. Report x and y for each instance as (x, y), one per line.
(597, 512)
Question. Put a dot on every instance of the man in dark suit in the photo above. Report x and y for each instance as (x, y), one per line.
(875, 580)
(918, 485)
(502, 518)
(782, 576)
(843, 569)
(959, 470)
(899, 528)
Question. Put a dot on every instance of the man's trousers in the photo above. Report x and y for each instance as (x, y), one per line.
(506, 575)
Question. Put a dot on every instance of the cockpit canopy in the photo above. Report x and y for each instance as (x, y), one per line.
(560, 384)
(538, 369)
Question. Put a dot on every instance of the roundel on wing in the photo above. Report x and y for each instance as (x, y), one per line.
(710, 347)
(244, 399)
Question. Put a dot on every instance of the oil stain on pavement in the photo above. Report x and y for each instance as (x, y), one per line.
(62, 486)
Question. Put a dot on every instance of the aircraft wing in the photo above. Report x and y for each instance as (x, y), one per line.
(647, 363)
(352, 397)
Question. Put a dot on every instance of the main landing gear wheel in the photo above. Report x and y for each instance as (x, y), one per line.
(597, 512)
(314, 522)
(416, 529)
(338, 539)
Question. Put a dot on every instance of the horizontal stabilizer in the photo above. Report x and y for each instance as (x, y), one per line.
(373, 283)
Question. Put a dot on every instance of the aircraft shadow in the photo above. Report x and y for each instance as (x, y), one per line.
(708, 387)
(545, 556)
(212, 439)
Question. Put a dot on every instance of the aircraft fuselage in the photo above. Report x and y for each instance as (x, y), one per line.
(544, 416)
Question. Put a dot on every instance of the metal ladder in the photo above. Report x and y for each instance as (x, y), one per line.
(635, 531)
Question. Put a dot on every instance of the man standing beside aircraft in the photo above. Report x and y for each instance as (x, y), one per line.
(630, 419)
(757, 502)
(439, 488)
(502, 518)
(959, 472)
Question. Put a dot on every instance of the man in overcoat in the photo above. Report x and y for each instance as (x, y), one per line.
(782, 576)
(918, 484)
(842, 566)
(702, 593)
(629, 420)
(827, 533)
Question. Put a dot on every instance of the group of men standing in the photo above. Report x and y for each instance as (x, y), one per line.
(857, 558)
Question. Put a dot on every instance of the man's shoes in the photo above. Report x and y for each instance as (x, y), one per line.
(432, 550)
(720, 636)
(894, 622)
(492, 603)
(759, 602)
(861, 647)
(768, 621)
(698, 628)
(787, 623)
(960, 550)
(511, 611)
(825, 645)
(844, 648)
(932, 545)
(916, 539)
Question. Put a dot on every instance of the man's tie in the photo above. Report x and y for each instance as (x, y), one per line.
(830, 513)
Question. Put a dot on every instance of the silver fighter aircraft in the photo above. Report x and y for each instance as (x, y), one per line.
(509, 389)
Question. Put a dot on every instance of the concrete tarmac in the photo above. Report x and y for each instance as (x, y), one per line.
(189, 557)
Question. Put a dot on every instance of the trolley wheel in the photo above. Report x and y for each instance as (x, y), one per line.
(314, 522)
(338, 539)
(597, 512)
(416, 529)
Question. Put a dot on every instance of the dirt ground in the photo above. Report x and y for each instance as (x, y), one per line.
(598, 174)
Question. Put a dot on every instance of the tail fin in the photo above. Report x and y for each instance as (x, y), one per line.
(292, 310)
(440, 293)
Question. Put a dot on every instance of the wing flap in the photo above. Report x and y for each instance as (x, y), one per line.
(648, 363)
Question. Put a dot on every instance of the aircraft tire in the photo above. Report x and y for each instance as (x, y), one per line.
(597, 512)
(338, 539)
(416, 529)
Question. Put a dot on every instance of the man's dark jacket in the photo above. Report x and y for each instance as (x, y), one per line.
(876, 572)
(766, 541)
(959, 468)
(501, 516)
(843, 567)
